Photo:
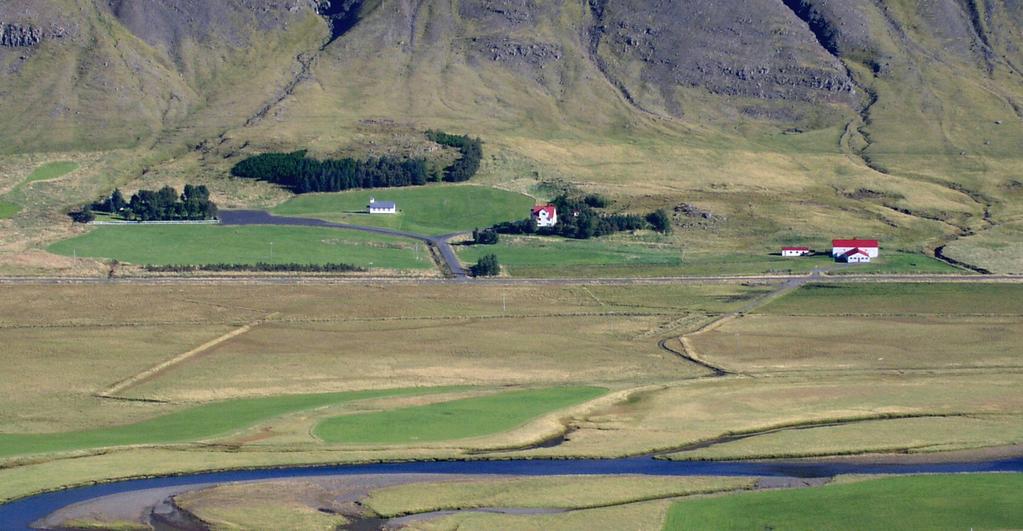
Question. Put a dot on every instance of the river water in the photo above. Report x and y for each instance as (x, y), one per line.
(21, 513)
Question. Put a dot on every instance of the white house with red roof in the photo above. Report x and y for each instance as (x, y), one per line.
(545, 215)
(795, 251)
(854, 251)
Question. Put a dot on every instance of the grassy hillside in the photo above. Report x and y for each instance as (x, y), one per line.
(876, 119)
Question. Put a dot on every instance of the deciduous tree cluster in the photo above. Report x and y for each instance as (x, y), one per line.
(486, 266)
(160, 205)
(579, 219)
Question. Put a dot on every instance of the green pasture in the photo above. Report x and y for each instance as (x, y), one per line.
(206, 244)
(893, 298)
(457, 419)
(538, 256)
(433, 210)
(192, 424)
(979, 501)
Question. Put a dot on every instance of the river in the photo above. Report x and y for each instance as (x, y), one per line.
(21, 513)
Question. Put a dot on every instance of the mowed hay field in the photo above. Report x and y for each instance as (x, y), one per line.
(213, 244)
(303, 343)
(877, 326)
(946, 410)
(284, 352)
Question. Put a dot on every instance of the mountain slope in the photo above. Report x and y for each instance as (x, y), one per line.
(117, 74)
(790, 118)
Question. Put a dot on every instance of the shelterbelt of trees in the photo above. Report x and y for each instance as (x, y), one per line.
(154, 205)
(580, 218)
(302, 174)
(288, 267)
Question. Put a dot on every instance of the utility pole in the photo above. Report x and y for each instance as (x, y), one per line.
(504, 302)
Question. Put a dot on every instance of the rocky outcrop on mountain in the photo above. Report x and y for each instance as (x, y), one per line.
(526, 53)
(169, 23)
(506, 14)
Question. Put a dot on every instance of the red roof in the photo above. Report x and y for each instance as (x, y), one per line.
(550, 209)
(856, 251)
(795, 248)
(854, 243)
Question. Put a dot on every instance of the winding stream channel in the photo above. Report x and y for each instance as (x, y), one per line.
(21, 513)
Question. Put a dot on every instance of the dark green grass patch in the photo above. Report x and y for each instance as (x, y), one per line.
(50, 170)
(193, 424)
(981, 501)
(434, 210)
(892, 298)
(457, 419)
(214, 244)
(8, 209)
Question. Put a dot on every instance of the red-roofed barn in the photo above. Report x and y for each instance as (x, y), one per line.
(854, 251)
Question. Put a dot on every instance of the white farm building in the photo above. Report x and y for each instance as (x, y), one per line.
(382, 207)
(854, 251)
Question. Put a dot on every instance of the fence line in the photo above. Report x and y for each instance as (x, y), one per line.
(177, 222)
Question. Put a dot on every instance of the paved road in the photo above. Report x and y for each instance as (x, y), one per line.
(262, 217)
(660, 281)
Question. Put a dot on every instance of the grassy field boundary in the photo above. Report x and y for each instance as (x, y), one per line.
(116, 389)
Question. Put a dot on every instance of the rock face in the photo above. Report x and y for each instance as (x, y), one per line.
(506, 14)
(168, 23)
(16, 35)
(756, 49)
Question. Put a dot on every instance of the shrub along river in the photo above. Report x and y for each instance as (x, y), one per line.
(21, 513)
